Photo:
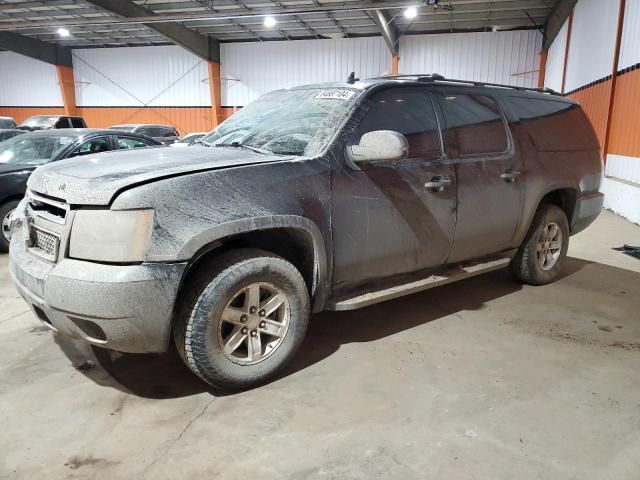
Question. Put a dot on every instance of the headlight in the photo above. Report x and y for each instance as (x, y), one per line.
(19, 214)
(111, 235)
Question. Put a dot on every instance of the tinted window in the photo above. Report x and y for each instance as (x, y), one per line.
(168, 132)
(95, 145)
(63, 123)
(474, 125)
(554, 126)
(130, 142)
(78, 122)
(408, 112)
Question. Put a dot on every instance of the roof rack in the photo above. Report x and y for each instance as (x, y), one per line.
(435, 77)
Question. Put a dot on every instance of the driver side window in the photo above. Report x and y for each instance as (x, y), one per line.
(409, 112)
(95, 145)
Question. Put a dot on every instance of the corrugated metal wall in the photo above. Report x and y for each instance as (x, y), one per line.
(140, 76)
(499, 57)
(592, 45)
(555, 60)
(630, 46)
(27, 83)
(250, 69)
(166, 84)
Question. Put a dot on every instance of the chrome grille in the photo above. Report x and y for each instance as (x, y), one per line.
(44, 243)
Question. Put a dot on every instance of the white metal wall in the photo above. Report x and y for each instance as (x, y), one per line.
(140, 76)
(555, 60)
(630, 45)
(27, 82)
(499, 57)
(593, 39)
(251, 69)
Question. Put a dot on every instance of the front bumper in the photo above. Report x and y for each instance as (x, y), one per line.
(588, 207)
(125, 308)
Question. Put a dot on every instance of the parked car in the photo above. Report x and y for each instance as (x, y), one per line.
(7, 123)
(330, 196)
(162, 133)
(21, 155)
(48, 122)
(6, 134)
(188, 139)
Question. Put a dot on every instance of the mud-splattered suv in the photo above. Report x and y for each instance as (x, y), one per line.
(331, 196)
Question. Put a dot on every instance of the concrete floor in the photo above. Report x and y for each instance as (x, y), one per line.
(483, 379)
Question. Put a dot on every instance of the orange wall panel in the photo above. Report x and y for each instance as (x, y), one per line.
(185, 119)
(624, 138)
(22, 113)
(595, 103)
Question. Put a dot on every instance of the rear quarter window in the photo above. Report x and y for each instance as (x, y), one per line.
(555, 126)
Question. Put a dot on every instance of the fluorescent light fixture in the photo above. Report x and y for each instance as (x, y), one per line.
(63, 32)
(411, 12)
(270, 22)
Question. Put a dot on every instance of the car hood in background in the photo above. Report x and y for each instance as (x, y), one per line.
(15, 167)
(96, 179)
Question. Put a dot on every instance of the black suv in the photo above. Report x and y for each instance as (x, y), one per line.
(330, 196)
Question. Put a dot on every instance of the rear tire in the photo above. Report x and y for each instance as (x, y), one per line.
(540, 257)
(5, 212)
(241, 318)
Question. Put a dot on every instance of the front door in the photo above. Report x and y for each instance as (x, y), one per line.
(394, 217)
(489, 172)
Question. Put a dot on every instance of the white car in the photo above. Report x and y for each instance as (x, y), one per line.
(188, 139)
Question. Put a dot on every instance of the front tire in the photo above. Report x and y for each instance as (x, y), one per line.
(542, 253)
(5, 234)
(241, 318)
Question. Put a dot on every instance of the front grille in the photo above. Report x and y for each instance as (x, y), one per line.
(44, 243)
(43, 206)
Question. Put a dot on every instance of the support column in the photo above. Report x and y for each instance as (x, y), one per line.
(394, 64)
(67, 89)
(215, 86)
(566, 52)
(542, 70)
(614, 79)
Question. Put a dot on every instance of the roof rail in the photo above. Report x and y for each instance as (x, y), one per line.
(435, 77)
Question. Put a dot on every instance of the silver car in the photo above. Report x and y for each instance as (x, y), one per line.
(165, 134)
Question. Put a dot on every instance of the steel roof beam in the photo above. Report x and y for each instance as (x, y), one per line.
(387, 29)
(203, 46)
(556, 20)
(33, 48)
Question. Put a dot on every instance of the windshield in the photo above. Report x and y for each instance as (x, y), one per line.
(191, 138)
(123, 128)
(32, 149)
(40, 121)
(286, 122)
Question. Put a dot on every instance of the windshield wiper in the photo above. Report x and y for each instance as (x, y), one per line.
(202, 142)
(242, 145)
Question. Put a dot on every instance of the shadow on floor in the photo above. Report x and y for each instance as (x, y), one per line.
(166, 376)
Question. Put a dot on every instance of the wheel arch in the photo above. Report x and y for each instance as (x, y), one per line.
(295, 238)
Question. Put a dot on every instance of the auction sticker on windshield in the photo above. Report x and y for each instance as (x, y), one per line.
(336, 94)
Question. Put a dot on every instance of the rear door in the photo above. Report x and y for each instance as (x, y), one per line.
(385, 219)
(489, 174)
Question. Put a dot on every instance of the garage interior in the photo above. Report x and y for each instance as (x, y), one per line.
(484, 378)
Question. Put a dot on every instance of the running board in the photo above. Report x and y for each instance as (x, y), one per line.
(453, 275)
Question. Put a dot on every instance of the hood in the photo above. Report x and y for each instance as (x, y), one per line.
(15, 167)
(96, 179)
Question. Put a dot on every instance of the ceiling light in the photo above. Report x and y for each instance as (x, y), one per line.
(411, 12)
(270, 22)
(63, 32)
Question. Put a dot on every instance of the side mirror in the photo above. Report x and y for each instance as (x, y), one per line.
(379, 146)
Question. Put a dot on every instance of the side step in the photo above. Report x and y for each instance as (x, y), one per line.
(453, 275)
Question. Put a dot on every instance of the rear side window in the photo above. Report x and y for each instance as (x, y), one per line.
(410, 113)
(131, 142)
(63, 123)
(555, 126)
(78, 122)
(474, 125)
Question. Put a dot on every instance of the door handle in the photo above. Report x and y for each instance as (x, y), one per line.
(510, 175)
(437, 183)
